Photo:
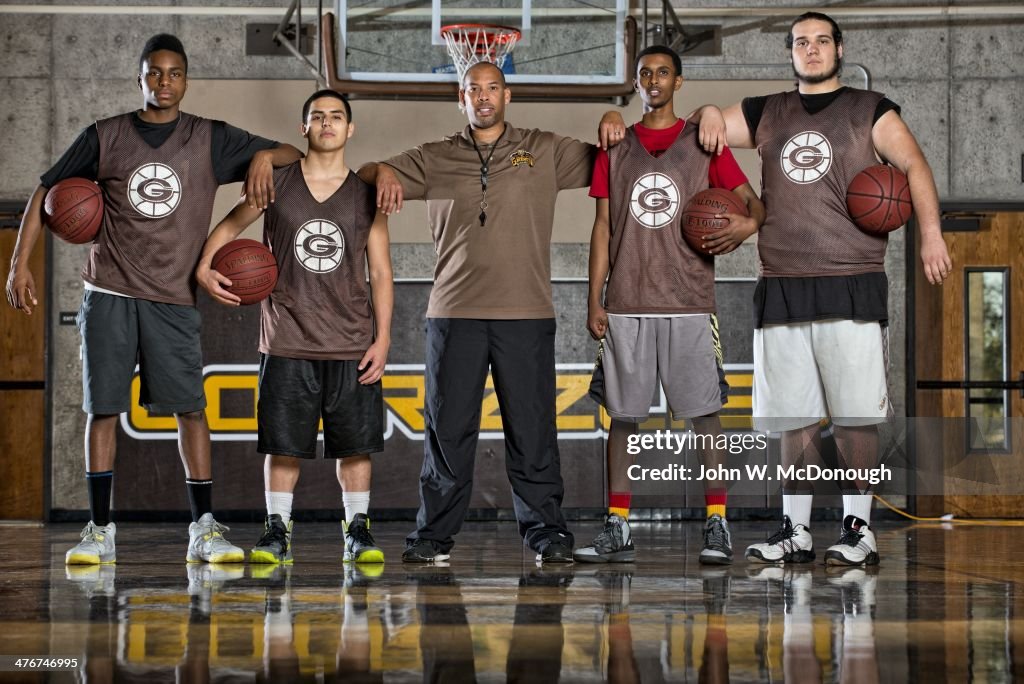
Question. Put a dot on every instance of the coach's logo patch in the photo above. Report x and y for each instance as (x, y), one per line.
(806, 157)
(154, 190)
(319, 245)
(654, 200)
(520, 157)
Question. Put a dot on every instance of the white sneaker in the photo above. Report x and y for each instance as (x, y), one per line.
(206, 542)
(856, 545)
(789, 582)
(789, 545)
(93, 580)
(97, 546)
(206, 580)
(857, 587)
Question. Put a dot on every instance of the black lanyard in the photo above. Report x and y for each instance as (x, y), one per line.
(484, 167)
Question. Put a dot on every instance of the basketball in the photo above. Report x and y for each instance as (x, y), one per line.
(250, 266)
(74, 210)
(878, 199)
(699, 216)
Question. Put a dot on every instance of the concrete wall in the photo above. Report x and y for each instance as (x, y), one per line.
(960, 82)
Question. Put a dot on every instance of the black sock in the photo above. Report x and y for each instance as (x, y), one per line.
(200, 497)
(100, 485)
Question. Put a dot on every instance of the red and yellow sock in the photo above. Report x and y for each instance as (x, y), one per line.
(618, 503)
(714, 499)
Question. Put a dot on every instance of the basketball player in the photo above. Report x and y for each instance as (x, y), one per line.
(322, 345)
(490, 194)
(159, 169)
(821, 302)
(658, 318)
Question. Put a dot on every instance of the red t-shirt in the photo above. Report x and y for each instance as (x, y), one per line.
(723, 173)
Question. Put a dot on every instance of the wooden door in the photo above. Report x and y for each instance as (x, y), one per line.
(22, 389)
(969, 359)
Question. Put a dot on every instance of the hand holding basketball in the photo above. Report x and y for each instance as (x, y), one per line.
(706, 217)
(216, 284)
(247, 270)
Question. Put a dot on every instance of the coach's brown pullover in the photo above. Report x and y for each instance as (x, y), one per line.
(501, 270)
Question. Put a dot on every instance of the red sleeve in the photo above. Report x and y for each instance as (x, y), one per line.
(724, 172)
(599, 183)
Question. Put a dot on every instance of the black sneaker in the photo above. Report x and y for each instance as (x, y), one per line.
(555, 552)
(359, 544)
(275, 546)
(614, 544)
(716, 584)
(717, 542)
(423, 551)
(616, 585)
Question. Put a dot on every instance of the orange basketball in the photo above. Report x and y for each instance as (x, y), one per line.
(699, 216)
(250, 266)
(73, 210)
(878, 199)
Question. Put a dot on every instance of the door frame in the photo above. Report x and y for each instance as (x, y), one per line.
(955, 216)
(11, 214)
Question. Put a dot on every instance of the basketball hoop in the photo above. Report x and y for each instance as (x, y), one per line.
(469, 44)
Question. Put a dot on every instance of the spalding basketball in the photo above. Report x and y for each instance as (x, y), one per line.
(251, 268)
(878, 199)
(699, 216)
(74, 210)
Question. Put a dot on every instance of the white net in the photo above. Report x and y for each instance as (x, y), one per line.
(469, 44)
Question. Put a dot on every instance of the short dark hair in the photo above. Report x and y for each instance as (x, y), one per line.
(501, 74)
(659, 50)
(326, 92)
(162, 41)
(837, 33)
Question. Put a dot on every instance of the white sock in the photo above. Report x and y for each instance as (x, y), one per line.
(798, 508)
(858, 505)
(355, 631)
(355, 503)
(281, 504)
(278, 624)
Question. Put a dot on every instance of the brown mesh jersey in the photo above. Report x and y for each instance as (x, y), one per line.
(653, 270)
(320, 308)
(807, 162)
(157, 208)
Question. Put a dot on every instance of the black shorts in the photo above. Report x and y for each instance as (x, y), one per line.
(295, 393)
(163, 338)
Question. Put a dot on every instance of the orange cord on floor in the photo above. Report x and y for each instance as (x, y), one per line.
(948, 517)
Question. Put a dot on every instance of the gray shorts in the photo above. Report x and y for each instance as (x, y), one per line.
(118, 332)
(679, 351)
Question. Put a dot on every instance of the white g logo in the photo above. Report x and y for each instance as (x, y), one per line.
(319, 245)
(806, 157)
(654, 200)
(154, 190)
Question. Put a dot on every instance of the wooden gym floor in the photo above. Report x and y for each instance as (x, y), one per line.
(942, 607)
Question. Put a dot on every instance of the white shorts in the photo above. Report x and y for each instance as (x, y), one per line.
(804, 372)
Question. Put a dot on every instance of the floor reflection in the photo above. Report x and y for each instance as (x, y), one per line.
(939, 608)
